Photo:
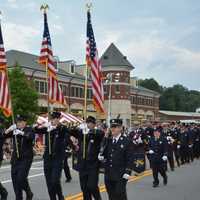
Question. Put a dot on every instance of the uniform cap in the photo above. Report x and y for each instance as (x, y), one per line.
(91, 119)
(55, 115)
(116, 122)
(21, 117)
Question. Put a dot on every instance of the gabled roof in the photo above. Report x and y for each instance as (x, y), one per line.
(142, 89)
(113, 57)
(174, 113)
(27, 60)
(23, 59)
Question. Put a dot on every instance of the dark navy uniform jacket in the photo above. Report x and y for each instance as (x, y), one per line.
(57, 143)
(184, 139)
(1, 144)
(24, 144)
(92, 148)
(118, 158)
(159, 147)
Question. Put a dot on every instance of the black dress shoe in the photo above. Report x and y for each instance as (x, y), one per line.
(29, 196)
(4, 196)
(165, 181)
(61, 198)
(155, 185)
(68, 180)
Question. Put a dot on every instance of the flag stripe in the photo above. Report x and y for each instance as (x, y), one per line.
(92, 60)
(5, 101)
(46, 58)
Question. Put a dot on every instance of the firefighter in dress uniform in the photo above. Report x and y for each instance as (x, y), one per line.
(88, 165)
(158, 156)
(170, 147)
(22, 156)
(118, 160)
(184, 144)
(56, 135)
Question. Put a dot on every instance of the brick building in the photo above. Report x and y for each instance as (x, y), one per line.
(134, 103)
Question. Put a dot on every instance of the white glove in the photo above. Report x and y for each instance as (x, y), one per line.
(151, 151)
(100, 157)
(50, 128)
(139, 140)
(18, 132)
(126, 176)
(164, 158)
(12, 128)
(35, 125)
(134, 142)
(178, 146)
(190, 146)
(84, 128)
(46, 124)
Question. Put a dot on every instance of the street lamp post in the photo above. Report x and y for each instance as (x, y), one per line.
(69, 93)
(110, 78)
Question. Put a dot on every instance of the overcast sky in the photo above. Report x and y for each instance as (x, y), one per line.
(161, 38)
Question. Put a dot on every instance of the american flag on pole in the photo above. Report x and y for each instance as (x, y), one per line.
(93, 62)
(5, 100)
(47, 59)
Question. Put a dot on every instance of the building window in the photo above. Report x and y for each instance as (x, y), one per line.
(45, 87)
(89, 93)
(77, 92)
(117, 89)
(142, 101)
(42, 87)
(72, 68)
(133, 100)
(37, 85)
(73, 91)
(81, 93)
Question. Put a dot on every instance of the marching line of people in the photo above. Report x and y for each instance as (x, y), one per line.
(115, 151)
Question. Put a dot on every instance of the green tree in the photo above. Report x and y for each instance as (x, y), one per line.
(23, 93)
(179, 98)
(151, 84)
(175, 98)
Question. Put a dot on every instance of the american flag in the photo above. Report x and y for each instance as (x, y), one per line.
(5, 100)
(46, 58)
(93, 61)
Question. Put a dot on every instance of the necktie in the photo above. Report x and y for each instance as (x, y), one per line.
(114, 141)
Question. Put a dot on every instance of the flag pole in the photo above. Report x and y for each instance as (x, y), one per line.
(88, 7)
(85, 107)
(48, 103)
(12, 114)
(13, 118)
(44, 9)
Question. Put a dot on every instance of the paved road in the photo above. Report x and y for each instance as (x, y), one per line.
(184, 184)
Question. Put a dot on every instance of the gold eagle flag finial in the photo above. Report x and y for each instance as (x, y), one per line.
(44, 8)
(88, 6)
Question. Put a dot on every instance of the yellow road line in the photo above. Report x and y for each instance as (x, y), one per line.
(102, 188)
